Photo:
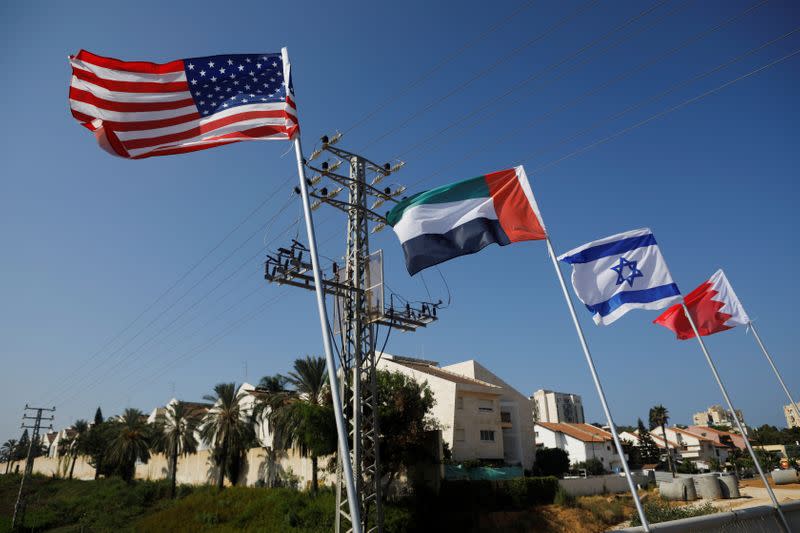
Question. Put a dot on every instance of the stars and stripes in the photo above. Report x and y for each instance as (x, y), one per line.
(139, 109)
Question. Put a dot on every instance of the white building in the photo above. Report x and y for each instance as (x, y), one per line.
(557, 407)
(482, 416)
(684, 444)
(581, 441)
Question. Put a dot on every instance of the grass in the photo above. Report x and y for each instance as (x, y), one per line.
(659, 510)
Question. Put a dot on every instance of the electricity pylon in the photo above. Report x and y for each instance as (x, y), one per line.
(359, 310)
(19, 506)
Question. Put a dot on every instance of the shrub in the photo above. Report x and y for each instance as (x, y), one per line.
(659, 510)
(564, 498)
(512, 494)
(551, 462)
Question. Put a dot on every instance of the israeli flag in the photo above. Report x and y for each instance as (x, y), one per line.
(619, 273)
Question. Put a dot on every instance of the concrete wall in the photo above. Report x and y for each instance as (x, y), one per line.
(761, 519)
(609, 484)
(197, 469)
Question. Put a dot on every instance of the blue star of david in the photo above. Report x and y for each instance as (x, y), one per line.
(620, 268)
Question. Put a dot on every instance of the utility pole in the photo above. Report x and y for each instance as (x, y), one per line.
(359, 312)
(19, 507)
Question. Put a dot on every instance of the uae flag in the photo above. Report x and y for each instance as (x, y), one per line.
(464, 217)
(714, 307)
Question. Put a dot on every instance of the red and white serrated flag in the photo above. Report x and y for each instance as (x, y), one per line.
(714, 307)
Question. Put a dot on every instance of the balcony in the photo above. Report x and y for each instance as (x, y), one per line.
(505, 420)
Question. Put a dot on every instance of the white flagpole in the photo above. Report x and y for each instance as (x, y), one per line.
(599, 386)
(775, 369)
(752, 453)
(341, 427)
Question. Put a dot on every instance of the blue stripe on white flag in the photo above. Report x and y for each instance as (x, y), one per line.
(645, 296)
(608, 249)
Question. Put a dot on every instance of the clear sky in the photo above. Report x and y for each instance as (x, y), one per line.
(91, 241)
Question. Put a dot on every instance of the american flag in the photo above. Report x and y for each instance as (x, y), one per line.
(138, 109)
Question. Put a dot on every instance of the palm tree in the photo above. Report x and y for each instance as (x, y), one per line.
(175, 436)
(228, 427)
(659, 416)
(130, 442)
(269, 388)
(78, 444)
(303, 417)
(8, 451)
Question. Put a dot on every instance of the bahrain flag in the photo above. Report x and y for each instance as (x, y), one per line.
(714, 307)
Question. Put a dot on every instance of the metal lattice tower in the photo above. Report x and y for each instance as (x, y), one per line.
(19, 506)
(359, 314)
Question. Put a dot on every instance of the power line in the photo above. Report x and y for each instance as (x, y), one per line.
(493, 105)
(76, 371)
(641, 66)
(667, 111)
(563, 21)
(173, 304)
(425, 75)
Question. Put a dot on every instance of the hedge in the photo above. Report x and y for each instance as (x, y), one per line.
(506, 495)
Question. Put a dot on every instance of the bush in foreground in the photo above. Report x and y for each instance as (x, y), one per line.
(658, 510)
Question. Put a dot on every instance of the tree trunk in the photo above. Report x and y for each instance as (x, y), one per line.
(669, 454)
(174, 465)
(72, 467)
(222, 460)
(313, 474)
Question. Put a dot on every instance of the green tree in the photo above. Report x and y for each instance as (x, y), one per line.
(648, 451)
(268, 388)
(174, 436)
(404, 406)
(9, 452)
(552, 462)
(302, 417)
(659, 417)
(229, 428)
(78, 443)
(687, 467)
(130, 442)
(593, 466)
(96, 444)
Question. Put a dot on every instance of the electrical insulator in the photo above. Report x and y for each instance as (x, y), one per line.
(378, 227)
(400, 190)
(315, 154)
(316, 205)
(378, 202)
(397, 166)
(335, 139)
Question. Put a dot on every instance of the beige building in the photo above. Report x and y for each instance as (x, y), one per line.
(792, 418)
(481, 416)
(716, 415)
(557, 407)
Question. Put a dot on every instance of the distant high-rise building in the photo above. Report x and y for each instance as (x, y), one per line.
(557, 407)
(792, 420)
(716, 415)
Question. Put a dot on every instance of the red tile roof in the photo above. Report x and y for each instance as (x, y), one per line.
(582, 432)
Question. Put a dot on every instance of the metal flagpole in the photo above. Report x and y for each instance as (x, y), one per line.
(752, 453)
(775, 369)
(617, 443)
(341, 425)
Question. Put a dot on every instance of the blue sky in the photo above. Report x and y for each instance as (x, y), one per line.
(91, 241)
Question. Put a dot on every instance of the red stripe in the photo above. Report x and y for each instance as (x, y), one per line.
(200, 129)
(85, 120)
(290, 101)
(183, 149)
(129, 107)
(513, 209)
(144, 67)
(150, 124)
(131, 86)
(260, 131)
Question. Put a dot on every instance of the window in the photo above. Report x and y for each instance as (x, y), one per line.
(485, 405)
(487, 435)
(459, 435)
(459, 402)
